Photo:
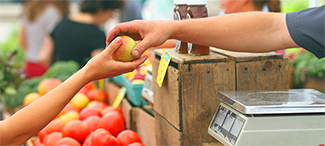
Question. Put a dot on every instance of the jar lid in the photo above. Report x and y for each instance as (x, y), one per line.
(196, 2)
(180, 1)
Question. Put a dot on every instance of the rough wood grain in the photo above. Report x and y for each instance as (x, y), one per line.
(166, 134)
(127, 113)
(166, 97)
(185, 58)
(263, 75)
(200, 84)
(145, 126)
(246, 56)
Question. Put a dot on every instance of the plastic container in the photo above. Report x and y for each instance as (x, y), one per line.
(133, 91)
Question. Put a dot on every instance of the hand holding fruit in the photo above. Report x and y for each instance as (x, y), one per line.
(151, 34)
(103, 66)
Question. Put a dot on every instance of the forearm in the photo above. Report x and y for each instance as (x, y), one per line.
(249, 32)
(27, 122)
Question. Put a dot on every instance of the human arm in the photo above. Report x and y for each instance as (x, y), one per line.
(248, 32)
(31, 119)
(46, 52)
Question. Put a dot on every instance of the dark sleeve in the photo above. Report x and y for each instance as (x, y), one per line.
(99, 41)
(306, 28)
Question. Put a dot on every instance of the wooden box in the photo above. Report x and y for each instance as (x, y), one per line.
(187, 100)
(259, 71)
(112, 91)
(145, 124)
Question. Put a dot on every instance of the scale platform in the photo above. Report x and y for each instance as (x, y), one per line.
(290, 117)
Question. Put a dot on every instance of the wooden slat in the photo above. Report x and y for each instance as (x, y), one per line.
(212, 144)
(145, 125)
(166, 134)
(112, 91)
(185, 58)
(246, 56)
(166, 98)
(200, 84)
(127, 113)
(257, 75)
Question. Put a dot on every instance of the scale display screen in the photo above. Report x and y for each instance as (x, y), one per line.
(227, 124)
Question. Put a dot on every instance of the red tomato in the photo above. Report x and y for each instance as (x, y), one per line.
(76, 129)
(127, 137)
(67, 141)
(90, 86)
(97, 94)
(54, 126)
(102, 137)
(52, 139)
(37, 142)
(87, 141)
(92, 122)
(136, 144)
(113, 122)
(87, 112)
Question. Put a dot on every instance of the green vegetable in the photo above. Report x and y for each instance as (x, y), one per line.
(315, 67)
(62, 70)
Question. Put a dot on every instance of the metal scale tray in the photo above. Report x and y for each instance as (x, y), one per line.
(275, 102)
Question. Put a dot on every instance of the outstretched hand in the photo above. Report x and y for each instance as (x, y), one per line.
(103, 66)
(149, 33)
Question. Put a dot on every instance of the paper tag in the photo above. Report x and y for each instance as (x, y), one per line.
(119, 97)
(162, 68)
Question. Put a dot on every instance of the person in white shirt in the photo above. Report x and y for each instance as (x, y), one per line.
(38, 20)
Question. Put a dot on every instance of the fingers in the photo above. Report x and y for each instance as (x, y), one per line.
(130, 66)
(113, 46)
(146, 43)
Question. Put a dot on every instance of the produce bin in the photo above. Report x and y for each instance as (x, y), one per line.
(133, 91)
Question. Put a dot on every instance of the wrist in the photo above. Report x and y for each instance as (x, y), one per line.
(85, 75)
(175, 27)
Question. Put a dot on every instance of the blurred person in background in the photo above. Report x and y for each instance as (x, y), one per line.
(237, 6)
(38, 20)
(131, 10)
(78, 36)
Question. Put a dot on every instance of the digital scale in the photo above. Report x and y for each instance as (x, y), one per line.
(254, 118)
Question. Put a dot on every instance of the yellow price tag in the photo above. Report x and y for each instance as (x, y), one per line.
(119, 97)
(162, 68)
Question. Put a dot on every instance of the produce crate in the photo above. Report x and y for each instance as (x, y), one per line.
(133, 91)
(140, 120)
(112, 90)
(128, 111)
(145, 124)
(259, 71)
(187, 100)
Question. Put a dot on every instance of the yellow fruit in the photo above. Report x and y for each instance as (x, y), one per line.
(31, 97)
(130, 74)
(80, 100)
(69, 116)
(137, 81)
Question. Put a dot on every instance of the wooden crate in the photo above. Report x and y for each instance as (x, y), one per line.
(187, 100)
(145, 124)
(112, 90)
(259, 71)
(128, 112)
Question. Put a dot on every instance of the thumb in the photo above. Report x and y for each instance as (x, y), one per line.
(142, 46)
(114, 45)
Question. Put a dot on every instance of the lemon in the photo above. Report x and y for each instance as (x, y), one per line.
(80, 100)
